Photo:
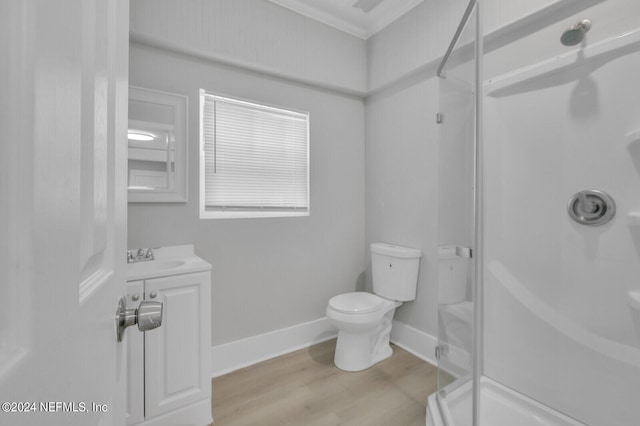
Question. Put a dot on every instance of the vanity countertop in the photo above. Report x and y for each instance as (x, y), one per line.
(170, 260)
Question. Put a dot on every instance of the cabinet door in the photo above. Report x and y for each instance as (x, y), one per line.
(134, 342)
(176, 354)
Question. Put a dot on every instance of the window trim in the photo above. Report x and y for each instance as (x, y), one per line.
(242, 213)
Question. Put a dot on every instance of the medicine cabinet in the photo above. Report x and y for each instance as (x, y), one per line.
(157, 146)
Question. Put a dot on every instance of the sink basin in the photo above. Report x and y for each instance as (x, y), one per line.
(155, 267)
(169, 260)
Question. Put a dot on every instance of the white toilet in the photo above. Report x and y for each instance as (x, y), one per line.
(364, 319)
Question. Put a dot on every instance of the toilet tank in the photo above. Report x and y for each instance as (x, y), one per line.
(395, 271)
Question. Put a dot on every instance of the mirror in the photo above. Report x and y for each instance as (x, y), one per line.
(157, 144)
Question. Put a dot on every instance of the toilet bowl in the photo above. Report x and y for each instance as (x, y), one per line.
(364, 319)
(364, 324)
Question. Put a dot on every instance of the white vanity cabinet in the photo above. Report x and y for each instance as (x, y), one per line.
(169, 380)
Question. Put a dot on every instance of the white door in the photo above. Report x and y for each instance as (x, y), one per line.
(63, 103)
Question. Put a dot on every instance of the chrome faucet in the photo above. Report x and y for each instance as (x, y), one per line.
(139, 255)
(149, 255)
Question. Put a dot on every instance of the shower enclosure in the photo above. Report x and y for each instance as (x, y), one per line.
(539, 306)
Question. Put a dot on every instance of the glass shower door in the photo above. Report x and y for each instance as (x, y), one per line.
(457, 138)
(455, 230)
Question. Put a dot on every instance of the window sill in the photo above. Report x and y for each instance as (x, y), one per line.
(248, 215)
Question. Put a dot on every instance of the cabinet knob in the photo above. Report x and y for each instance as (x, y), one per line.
(135, 297)
(153, 294)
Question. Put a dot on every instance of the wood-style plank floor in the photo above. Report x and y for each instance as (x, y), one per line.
(305, 388)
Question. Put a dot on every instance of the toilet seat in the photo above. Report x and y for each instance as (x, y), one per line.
(356, 303)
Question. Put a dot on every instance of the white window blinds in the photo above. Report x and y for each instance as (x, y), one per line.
(256, 157)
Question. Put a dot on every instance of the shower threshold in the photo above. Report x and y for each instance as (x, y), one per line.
(499, 406)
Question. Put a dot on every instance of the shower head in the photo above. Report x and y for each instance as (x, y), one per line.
(575, 34)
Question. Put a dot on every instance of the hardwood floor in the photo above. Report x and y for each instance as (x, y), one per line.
(305, 388)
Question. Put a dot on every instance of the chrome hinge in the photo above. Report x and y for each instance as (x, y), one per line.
(441, 350)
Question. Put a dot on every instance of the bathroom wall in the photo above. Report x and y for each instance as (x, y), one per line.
(402, 186)
(255, 34)
(268, 274)
(414, 40)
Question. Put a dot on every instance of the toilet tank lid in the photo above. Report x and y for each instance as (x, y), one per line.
(395, 251)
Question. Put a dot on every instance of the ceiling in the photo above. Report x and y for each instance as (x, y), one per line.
(361, 18)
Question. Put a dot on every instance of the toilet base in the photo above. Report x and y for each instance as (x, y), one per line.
(359, 351)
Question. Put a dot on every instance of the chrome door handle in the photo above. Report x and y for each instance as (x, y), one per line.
(450, 252)
(148, 316)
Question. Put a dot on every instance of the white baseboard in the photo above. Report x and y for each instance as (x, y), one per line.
(235, 355)
(419, 343)
(242, 353)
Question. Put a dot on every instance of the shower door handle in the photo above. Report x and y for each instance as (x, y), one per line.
(449, 252)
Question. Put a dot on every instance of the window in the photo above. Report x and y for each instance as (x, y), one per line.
(254, 159)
